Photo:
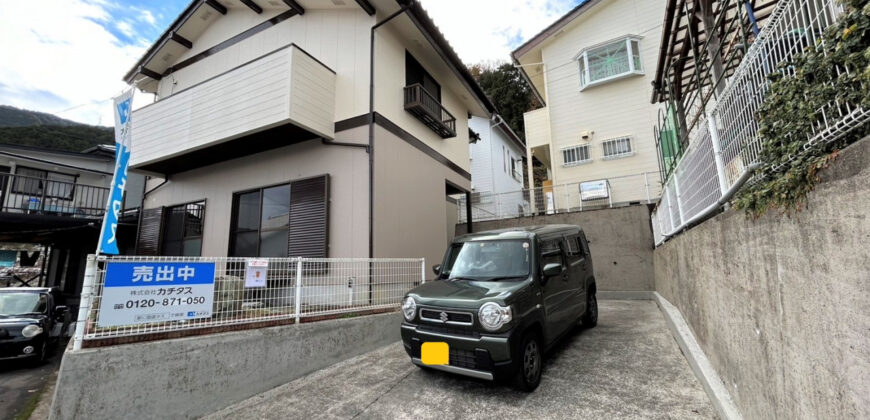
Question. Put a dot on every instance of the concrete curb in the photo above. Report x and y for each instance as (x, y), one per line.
(624, 295)
(716, 390)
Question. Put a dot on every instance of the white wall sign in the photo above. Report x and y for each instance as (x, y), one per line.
(593, 190)
(255, 273)
(156, 291)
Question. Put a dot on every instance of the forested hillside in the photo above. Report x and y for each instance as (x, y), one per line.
(31, 128)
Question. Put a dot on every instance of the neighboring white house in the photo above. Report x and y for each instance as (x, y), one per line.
(497, 160)
(592, 70)
(302, 128)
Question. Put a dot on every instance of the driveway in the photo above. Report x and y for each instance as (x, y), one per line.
(20, 381)
(629, 366)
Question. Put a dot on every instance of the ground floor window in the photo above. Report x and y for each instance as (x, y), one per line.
(285, 220)
(182, 230)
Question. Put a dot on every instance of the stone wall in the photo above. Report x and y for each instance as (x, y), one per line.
(190, 377)
(781, 305)
(620, 240)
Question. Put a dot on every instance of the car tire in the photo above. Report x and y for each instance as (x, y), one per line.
(590, 317)
(531, 363)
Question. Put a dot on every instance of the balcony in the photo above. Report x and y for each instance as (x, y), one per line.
(429, 111)
(39, 196)
(275, 100)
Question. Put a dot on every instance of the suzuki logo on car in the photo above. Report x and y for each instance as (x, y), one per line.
(443, 316)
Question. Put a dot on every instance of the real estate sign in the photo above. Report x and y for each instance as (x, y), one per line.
(156, 291)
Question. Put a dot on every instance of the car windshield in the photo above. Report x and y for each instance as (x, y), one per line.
(21, 304)
(488, 260)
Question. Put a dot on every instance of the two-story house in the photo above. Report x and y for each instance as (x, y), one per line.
(592, 70)
(497, 159)
(306, 128)
(54, 201)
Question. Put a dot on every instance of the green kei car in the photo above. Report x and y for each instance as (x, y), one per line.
(501, 299)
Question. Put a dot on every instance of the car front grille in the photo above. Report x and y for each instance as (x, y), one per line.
(448, 330)
(449, 317)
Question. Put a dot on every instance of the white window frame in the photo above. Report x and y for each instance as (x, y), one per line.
(604, 144)
(583, 61)
(578, 162)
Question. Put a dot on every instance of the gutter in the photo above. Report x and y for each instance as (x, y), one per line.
(719, 203)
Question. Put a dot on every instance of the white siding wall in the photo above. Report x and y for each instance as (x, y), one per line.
(284, 86)
(490, 159)
(614, 109)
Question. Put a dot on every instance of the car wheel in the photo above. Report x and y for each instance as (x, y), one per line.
(590, 317)
(531, 363)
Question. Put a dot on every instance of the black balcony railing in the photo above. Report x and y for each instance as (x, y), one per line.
(429, 111)
(33, 195)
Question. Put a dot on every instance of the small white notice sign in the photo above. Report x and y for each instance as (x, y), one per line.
(255, 273)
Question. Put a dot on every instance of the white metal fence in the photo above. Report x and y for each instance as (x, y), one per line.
(725, 147)
(616, 191)
(293, 288)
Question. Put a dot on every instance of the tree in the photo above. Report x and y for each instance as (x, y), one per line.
(508, 90)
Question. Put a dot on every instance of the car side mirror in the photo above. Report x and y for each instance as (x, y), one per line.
(60, 310)
(552, 269)
(436, 269)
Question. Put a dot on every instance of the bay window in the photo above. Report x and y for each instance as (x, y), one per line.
(610, 61)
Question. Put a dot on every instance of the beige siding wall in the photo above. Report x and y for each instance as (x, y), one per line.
(348, 209)
(537, 125)
(613, 109)
(389, 96)
(285, 86)
(338, 38)
(410, 201)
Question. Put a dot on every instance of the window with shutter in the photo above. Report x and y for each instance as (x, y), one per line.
(148, 237)
(182, 230)
(282, 220)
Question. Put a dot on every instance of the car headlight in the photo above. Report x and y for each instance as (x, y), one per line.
(493, 316)
(409, 308)
(31, 331)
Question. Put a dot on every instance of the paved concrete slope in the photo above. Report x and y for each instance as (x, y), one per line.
(627, 367)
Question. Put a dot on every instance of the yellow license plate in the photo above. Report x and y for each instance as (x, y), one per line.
(435, 353)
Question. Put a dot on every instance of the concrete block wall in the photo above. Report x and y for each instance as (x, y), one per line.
(781, 305)
(190, 377)
(620, 240)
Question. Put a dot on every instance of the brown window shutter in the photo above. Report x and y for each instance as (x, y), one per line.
(309, 218)
(148, 238)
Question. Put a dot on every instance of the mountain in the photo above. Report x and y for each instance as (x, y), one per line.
(31, 128)
(15, 117)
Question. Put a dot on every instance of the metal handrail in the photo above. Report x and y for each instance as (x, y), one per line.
(36, 195)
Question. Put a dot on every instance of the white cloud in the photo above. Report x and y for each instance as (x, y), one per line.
(67, 57)
(488, 30)
(147, 16)
(63, 60)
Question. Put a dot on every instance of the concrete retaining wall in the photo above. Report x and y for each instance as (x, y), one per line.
(781, 305)
(191, 377)
(620, 240)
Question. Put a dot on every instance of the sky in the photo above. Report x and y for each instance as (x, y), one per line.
(67, 57)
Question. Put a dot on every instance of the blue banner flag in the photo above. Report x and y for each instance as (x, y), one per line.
(123, 114)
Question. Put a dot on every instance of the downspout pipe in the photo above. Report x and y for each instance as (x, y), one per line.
(719, 203)
(371, 147)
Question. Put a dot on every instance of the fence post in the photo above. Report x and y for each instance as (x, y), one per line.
(85, 301)
(609, 195)
(298, 295)
(567, 199)
(646, 185)
(717, 154)
(498, 206)
(422, 270)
